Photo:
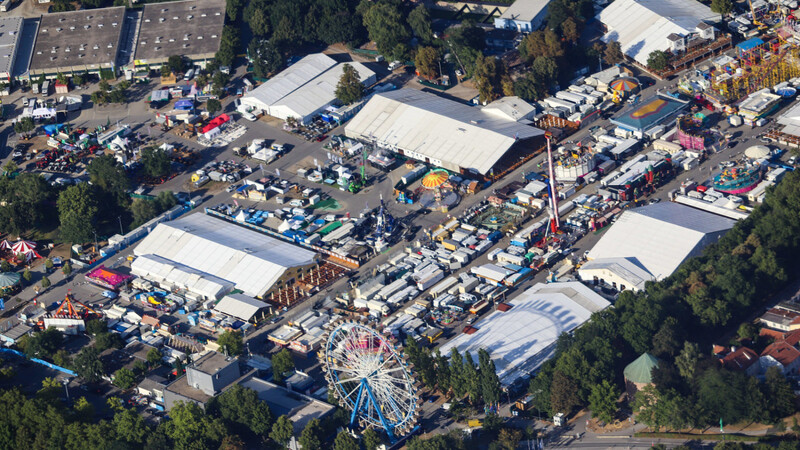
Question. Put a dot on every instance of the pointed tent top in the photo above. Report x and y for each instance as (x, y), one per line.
(640, 370)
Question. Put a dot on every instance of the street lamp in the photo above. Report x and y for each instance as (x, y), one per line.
(121, 232)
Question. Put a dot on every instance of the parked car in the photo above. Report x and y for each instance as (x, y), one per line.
(110, 294)
(249, 117)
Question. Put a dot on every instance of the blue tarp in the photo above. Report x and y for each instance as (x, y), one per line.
(184, 104)
(53, 128)
(749, 44)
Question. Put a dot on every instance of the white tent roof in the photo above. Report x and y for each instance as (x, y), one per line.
(642, 26)
(511, 108)
(239, 306)
(660, 237)
(304, 87)
(295, 76)
(521, 339)
(437, 128)
(166, 271)
(251, 260)
(624, 268)
(791, 120)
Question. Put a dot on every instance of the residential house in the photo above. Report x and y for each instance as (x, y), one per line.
(783, 355)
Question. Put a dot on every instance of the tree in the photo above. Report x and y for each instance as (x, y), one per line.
(613, 53)
(258, 21)
(457, 373)
(105, 340)
(748, 330)
(570, 31)
(370, 439)
(124, 378)
(165, 200)
(350, 89)
(156, 163)
(83, 410)
(41, 344)
(687, 359)
(282, 362)
(386, 26)
(667, 341)
(190, 428)
(282, 431)
(345, 442)
(420, 21)
(87, 364)
(545, 70)
(491, 78)
(541, 43)
(109, 175)
(563, 393)
(175, 64)
(242, 411)
(723, 7)
(45, 283)
(780, 393)
(5, 266)
(490, 383)
(142, 210)
(657, 60)
(213, 106)
(26, 275)
(234, 9)
(509, 438)
(231, 342)
(48, 264)
(232, 442)
(154, 357)
(470, 378)
(24, 202)
(66, 269)
(24, 126)
(96, 326)
(603, 401)
(77, 213)
(311, 437)
(130, 427)
(228, 46)
(427, 62)
(267, 60)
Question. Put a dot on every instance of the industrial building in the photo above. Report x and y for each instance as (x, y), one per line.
(523, 16)
(77, 42)
(299, 408)
(649, 243)
(791, 121)
(442, 132)
(242, 307)
(190, 28)
(304, 89)
(521, 338)
(208, 257)
(643, 26)
(511, 108)
(10, 28)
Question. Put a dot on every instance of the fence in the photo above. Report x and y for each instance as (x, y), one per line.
(39, 361)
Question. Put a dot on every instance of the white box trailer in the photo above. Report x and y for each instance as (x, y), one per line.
(570, 97)
(431, 278)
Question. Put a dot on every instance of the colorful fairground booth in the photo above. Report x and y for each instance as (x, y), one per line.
(107, 278)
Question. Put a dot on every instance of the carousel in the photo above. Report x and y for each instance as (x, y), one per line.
(23, 251)
(623, 87)
(436, 192)
(9, 282)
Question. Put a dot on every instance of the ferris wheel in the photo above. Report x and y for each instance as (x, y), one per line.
(370, 377)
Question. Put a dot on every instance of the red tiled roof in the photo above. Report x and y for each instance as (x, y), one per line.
(719, 349)
(741, 359)
(792, 338)
(782, 352)
(503, 307)
(769, 332)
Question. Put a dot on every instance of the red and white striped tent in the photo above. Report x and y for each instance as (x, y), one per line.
(5, 245)
(27, 248)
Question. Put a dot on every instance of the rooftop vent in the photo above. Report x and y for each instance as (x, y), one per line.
(52, 58)
(113, 24)
(80, 55)
(59, 28)
(192, 7)
(67, 50)
(185, 45)
(61, 19)
(99, 25)
(44, 30)
(174, 17)
(95, 46)
(216, 13)
(203, 15)
(189, 17)
(161, 19)
(172, 40)
(147, 20)
(39, 53)
(213, 36)
(110, 45)
(199, 37)
(163, 10)
(86, 27)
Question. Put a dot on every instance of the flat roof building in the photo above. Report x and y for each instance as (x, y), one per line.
(654, 240)
(10, 29)
(281, 401)
(643, 26)
(523, 337)
(191, 28)
(523, 15)
(442, 132)
(639, 119)
(210, 249)
(77, 41)
(241, 307)
(304, 89)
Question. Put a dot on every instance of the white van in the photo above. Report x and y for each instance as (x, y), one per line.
(189, 75)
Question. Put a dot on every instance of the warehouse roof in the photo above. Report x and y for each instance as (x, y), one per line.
(166, 270)
(524, 10)
(437, 128)
(240, 306)
(251, 260)
(642, 26)
(649, 112)
(78, 38)
(180, 28)
(305, 86)
(10, 28)
(512, 108)
(521, 339)
(660, 237)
